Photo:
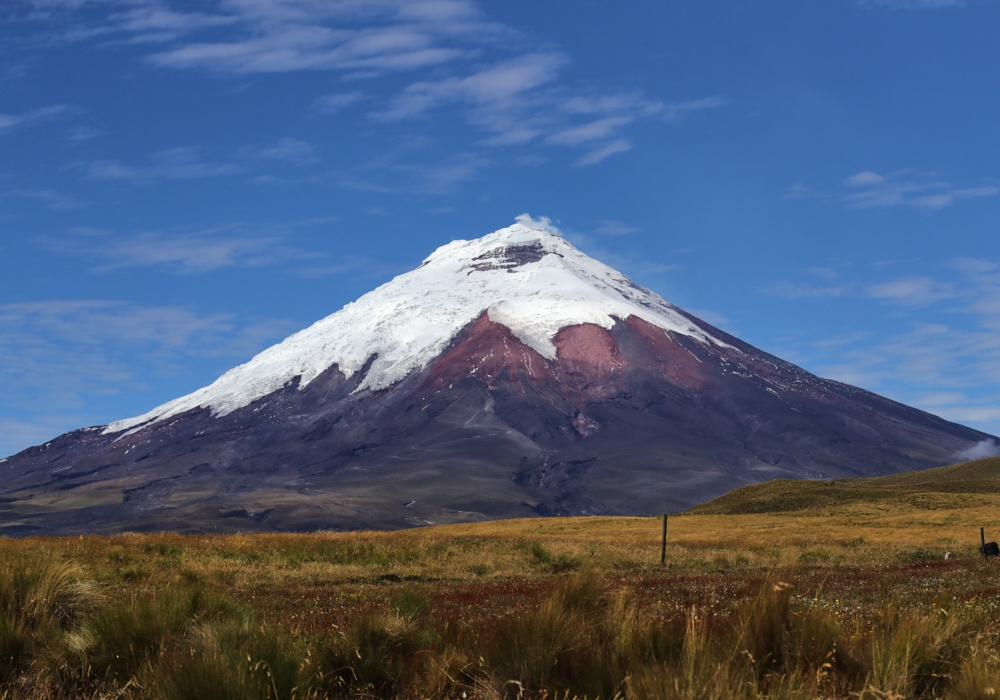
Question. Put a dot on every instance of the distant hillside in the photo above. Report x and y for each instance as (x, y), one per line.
(782, 495)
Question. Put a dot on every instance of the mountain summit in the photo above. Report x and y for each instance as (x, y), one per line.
(526, 278)
(506, 376)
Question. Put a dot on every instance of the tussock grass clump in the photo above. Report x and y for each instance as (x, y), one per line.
(232, 660)
(579, 640)
(377, 654)
(915, 655)
(123, 640)
(39, 598)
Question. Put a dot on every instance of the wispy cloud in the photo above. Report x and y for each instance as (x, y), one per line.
(800, 191)
(411, 176)
(9, 122)
(610, 227)
(51, 199)
(286, 149)
(606, 151)
(519, 101)
(793, 290)
(96, 322)
(909, 188)
(76, 353)
(911, 4)
(83, 133)
(153, 23)
(183, 163)
(190, 253)
(939, 364)
(914, 291)
(960, 363)
(503, 85)
(600, 129)
(331, 104)
(268, 36)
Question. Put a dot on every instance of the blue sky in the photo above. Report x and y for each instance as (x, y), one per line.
(185, 183)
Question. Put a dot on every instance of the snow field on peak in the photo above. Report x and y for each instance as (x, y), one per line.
(412, 319)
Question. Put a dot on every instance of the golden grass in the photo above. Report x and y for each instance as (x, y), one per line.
(855, 535)
(849, 563)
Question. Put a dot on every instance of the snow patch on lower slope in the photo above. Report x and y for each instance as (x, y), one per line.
(526, 277)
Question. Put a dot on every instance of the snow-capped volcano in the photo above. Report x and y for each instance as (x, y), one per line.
(526, 278)
(506, 376)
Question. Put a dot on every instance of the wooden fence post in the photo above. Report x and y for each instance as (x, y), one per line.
(663, 546)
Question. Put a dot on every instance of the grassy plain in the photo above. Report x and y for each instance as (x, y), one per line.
(852, 598)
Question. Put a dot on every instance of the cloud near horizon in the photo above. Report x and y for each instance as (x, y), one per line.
(935, 353)
(74, 354)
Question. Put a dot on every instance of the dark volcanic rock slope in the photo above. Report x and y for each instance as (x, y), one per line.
(627, 419)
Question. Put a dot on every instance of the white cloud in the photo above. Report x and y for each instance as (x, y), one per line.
(908, 188)
(981, 450)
